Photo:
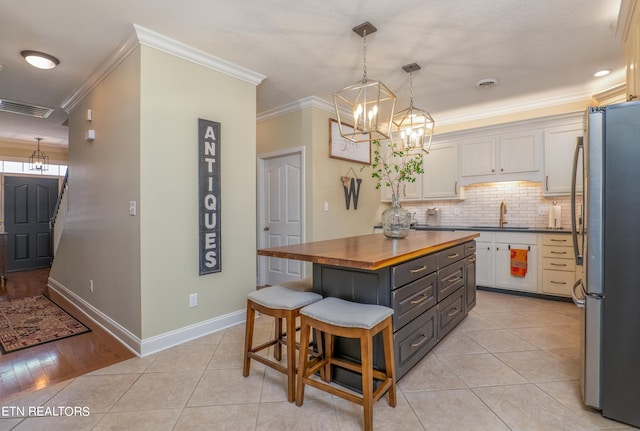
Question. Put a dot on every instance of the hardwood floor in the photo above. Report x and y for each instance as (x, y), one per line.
(46, 364)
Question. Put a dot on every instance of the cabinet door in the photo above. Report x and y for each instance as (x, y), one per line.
(504, 279)
(440, 178)
(408, 191)
(559, 146)
(477, 157)
(519, 152)
(484, 264)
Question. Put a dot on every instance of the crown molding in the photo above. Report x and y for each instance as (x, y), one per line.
(307, 102)
(171, 46)
(143, 36)
(616, 92)
(112, 61)
(625, 18)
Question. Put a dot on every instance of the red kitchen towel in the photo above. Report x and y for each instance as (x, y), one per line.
(518, 262)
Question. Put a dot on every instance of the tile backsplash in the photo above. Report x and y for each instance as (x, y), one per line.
(481, 206)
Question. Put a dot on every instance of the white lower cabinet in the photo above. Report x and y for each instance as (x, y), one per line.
(504, 278)
(485, 268)
(558, 265)
(493, 254)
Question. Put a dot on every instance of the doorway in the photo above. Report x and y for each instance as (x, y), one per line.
(29, 203)
(280, 212)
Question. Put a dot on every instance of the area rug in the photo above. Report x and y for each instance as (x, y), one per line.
(27, 322)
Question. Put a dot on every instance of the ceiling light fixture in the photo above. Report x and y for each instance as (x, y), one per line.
(38, 161)
(370, 103)
(414, 126)
(602, 73)
(40, 59)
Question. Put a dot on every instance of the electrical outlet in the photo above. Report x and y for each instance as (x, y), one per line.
(91, 285)
(543, 210)
(193, 300)
(326, 206)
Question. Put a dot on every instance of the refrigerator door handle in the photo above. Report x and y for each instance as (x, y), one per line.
(574, 228)
(579, 302)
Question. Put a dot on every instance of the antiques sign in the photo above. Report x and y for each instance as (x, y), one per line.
(209, 196)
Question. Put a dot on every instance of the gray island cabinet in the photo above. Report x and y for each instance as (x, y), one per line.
(428, 278)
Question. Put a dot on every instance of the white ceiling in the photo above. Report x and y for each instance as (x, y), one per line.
(540, 51)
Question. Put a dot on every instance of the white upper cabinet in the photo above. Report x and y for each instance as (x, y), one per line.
(501, 157)
(478, 157)
(519, 152)
(440, 178)
(559, 147)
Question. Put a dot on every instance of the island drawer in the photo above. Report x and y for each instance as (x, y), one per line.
(451, 255)
(413, 341)
(469, 248)
(411, 300)
(450, 313)
(450, 279)
(412, 270)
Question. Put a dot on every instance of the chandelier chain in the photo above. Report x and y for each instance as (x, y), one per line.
(411, 89)
(364, 56)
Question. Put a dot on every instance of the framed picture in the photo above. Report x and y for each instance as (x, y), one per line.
(344, 149)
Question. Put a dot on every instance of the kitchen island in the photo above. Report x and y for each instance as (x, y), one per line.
(428, 278)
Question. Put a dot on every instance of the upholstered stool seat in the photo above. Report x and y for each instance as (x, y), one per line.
(337, 317)
(280, 303)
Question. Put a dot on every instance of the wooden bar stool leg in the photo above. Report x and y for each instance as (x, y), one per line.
(248, 338)
(277, 349)
(291, 355)
(366, 354)
(389, 362)
(303, 360)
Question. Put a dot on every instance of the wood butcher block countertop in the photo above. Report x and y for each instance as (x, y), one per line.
(370, 252)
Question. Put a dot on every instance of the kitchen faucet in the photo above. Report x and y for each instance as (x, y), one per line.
(503, 211)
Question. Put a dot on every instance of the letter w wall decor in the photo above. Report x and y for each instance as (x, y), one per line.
(351, 191)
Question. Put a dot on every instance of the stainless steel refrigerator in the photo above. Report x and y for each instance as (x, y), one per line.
(608, 247)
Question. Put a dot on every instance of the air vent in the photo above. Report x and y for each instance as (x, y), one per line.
(486, 83)
(24, 109)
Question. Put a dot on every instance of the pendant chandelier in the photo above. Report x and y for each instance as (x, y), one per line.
(413, 126)
(38, 161)
(369, 104)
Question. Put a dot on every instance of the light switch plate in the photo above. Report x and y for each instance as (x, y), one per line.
(132, 208)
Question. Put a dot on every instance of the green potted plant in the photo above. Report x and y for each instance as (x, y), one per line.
(392, 166)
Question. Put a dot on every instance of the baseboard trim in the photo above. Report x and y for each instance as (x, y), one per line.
(151, 345)
(173, 338)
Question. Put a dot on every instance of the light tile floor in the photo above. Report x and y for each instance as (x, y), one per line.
(512, 364)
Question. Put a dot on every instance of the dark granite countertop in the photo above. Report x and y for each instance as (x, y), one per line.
(483, 228)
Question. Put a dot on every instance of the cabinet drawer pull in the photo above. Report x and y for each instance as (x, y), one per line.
(558, 252)
(558, 240)
(471, 259)
(558, 264)
(558, 282)
(422, 268)
(418, 301)
(453, 279)
(421, 342)
(472, 248)
(453, 313)
(453, 256)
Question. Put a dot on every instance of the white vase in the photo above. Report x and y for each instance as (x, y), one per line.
(396, 220)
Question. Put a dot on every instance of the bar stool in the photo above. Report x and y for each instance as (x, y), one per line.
(280, 303)
(337, 317)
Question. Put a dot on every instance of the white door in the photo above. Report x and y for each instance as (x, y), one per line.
(282, 215)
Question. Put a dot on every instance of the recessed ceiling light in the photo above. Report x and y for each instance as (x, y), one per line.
(40, 59)
(487, 83)
(602, 73)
